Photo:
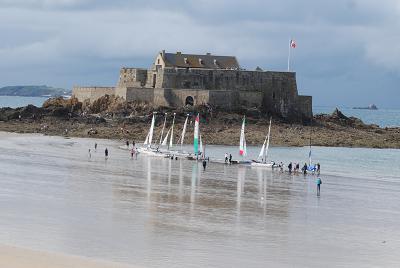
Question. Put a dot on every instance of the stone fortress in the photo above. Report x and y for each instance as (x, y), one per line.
(177, 79)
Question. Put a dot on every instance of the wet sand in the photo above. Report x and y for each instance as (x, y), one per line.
(157, 212)
(14, 257)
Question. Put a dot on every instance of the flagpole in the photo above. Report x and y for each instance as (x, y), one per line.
(288, 60)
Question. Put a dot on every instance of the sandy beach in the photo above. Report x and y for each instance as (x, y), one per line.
(15, 257)
(158, 212)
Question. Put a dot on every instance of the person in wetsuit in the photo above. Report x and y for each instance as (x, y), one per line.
(319, 182)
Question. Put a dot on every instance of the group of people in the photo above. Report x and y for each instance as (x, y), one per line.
(295, 168)
(228, 160)
(95, 149)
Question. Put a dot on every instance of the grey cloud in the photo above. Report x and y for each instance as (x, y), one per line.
(73, 41)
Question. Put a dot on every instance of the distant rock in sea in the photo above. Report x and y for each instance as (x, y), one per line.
(33, 91)
(370, 107)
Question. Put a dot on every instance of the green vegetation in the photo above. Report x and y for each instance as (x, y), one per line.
(33, 91)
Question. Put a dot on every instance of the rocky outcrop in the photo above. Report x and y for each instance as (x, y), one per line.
(337, 117)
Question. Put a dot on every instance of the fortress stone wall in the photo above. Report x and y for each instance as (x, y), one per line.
(91, 93)
(183, 79)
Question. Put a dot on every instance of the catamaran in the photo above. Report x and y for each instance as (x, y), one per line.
(180, 153)
(263, 155)
(147, 149)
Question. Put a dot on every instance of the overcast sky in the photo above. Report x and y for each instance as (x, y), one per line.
(347, 54)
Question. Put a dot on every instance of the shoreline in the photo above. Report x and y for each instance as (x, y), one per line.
(215, 133)
(18, 257)
(111, 119)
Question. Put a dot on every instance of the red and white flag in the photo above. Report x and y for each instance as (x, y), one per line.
(292, 43)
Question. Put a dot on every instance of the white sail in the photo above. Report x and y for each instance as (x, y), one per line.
(151, 129)
(182, 138)
(146, 141)
(261, 154)
(162, 130)
(269, 135)
(172, 132)
(166, 138)
(244, 146)
(242, 143)
(201, 146)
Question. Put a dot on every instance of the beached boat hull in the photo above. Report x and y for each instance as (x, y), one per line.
(264, 165)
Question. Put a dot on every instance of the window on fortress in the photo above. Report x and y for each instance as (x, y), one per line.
(158, 61)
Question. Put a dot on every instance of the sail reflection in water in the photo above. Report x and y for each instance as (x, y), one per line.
(144, 211)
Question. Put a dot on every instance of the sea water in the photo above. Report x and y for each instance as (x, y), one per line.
(381, 117)
(158, 212)
(17, 101)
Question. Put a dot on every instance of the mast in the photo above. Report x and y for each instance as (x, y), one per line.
(172, 133)
(162, 130)
(309, 154)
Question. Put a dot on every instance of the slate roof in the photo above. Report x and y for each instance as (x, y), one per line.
(207, 61)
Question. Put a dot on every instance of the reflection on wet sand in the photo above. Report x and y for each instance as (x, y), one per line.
(145, 210)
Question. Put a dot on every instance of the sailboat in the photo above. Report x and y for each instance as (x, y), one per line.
(178, 153)
(182, 138)
(262, 156)
(242, 146)
(163, 128)
(242, 142)
(149, 139)
(164, 142)
(196, 136)
(172, 134)
(310, 167)
(196, 143)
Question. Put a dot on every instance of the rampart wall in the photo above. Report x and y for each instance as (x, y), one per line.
(91, 93)
(273, 92)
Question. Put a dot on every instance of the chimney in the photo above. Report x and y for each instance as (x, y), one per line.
(163, 53)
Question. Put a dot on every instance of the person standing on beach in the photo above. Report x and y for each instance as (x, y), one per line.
(319, 182)
(89, 154)
(304, 169)
(281, 167)
(204, 164)
(127, 144)
(226, 158)
(230, 158)
(290, 167)
(106, 153)
(132, 152)
(318, 169)
(95, 146)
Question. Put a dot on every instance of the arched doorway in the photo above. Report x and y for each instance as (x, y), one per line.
(189, 101)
